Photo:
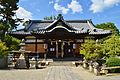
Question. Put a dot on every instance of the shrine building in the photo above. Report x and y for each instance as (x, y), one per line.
(58, 38)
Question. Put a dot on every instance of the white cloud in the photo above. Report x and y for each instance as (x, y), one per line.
(58, 7)
(111, 2)
(54, 1)
(75, 6)
(22, 13)
(99, 6)
(51, 2)
(57, 1)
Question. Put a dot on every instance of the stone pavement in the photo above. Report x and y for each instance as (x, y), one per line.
(53, 73)
(86, 75)
(62, 73)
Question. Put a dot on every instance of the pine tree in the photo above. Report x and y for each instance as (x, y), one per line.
(8, 16)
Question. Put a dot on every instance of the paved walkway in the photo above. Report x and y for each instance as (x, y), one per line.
(86, 75)
(53, 73)
(62, 73)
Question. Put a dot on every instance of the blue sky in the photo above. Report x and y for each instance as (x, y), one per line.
(99, 11)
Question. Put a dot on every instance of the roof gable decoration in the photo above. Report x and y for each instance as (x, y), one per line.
(59, 22)
(57, 27)
(60, 27)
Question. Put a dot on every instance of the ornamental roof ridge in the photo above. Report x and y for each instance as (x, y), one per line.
(77, 20)
(42, 20)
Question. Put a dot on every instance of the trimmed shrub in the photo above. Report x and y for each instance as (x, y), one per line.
(112, 62)
(3, 49)
(3, 55)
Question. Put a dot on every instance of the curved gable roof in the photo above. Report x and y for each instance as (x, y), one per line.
(59, 22)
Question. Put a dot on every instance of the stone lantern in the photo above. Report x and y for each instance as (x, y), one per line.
(22, 44)
(21, 63)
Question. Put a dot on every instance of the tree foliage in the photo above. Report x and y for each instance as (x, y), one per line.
(50, 18)
(112, 46)
(7, 12)
(3, 28)
(91, 50)
(8, 20)
(12, 43)
(109, 26)
(113, 61)
(3, 49)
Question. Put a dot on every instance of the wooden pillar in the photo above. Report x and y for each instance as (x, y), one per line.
(14, 59)
(56, 49)
(74, 47)
(36, 65)
(62, 47)
(36, 45)
(46, 50)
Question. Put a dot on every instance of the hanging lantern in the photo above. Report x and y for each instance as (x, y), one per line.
(45, 46)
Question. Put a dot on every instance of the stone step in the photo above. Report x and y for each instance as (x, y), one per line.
(61, 63)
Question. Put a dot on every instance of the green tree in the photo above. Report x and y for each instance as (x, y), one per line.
(3, 49)
(109, 26)
(3, 28)
(112, 46)
(107, 47)
(12, 43)
(8, 14)
(50, 17)
(91, 50)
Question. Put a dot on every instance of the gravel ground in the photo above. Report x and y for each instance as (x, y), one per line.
(32, 74)
(53, 73)
(86, 75)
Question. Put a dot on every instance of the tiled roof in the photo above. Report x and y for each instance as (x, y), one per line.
(44, 24)
(38, 25)
(76, 26)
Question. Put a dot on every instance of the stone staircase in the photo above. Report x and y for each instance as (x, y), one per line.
(70, 61)
(61, 63)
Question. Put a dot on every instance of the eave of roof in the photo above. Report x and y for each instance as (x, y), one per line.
(20, 33)
(101, 32)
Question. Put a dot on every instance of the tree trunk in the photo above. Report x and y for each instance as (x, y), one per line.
(3, 36)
